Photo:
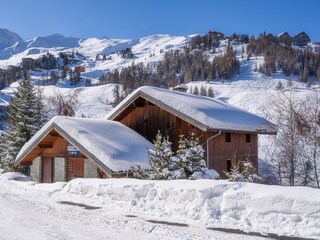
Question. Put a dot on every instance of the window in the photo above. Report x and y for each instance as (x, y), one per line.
(248, 138)
(228, 137)
(145, 128)
(229, 165)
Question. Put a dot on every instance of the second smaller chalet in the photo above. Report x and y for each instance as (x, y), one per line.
(68, 147)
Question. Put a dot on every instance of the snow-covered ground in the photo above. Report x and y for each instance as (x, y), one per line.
(140, 209)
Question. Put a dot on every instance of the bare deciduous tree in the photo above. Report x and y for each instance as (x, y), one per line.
(63, 104)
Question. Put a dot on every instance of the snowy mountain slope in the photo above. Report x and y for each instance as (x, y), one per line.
(146, 49)
(53, 41)
(38, 45)
(8, 38)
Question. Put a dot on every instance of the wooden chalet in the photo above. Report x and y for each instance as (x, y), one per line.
(80, 69)
(223, 128)
(68, 147)
(28, 63)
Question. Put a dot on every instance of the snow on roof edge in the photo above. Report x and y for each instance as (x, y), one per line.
(106, 149)
(143, 92)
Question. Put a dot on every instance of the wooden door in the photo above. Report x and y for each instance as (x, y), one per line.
(47, 169)
(75, 168)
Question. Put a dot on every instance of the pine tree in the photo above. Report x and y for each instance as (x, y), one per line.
(203, 91)
(24, 118)
(190, 156)
(210, 92)
(196, 90)
(160, 157)
(279, 86)
(196, 152)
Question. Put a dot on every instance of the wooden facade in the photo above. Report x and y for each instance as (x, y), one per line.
(53, 146)
(147, 119)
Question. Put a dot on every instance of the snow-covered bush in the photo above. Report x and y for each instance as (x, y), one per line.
(190, 159)
(138, 172)
(186, 163)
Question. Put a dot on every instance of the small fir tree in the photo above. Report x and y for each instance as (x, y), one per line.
(190, 161)
(196, 90)
(210, 92)
(279, 86)
(160, 157)
(203, 91)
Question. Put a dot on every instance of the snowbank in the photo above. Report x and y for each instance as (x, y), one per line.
(289, 211)
(251, 207)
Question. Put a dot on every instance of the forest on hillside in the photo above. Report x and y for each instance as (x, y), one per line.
(281, 53)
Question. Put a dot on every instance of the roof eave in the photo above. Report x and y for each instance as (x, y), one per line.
(31, 147)
(65, 135)
(263, 132)
(184, 117)
(147, 97)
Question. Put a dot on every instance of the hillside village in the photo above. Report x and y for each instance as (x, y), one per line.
(245, 107)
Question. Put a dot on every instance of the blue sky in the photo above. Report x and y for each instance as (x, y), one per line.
(137, 18)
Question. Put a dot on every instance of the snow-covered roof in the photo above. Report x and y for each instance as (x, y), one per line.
(182, 85)
(113, 146)
(203, 112)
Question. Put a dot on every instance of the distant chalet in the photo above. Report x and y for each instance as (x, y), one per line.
(67, 148)
(215, 35)
(28, 63)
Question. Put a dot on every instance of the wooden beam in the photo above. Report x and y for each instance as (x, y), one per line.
(45, 145)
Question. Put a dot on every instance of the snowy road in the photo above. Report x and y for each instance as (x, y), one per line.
(38, 218)
(141, 209)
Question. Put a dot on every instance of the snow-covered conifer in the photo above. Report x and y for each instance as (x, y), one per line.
(210, 92)
(191, 163)
(25, 117)
(160, 157)
(203, 91)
